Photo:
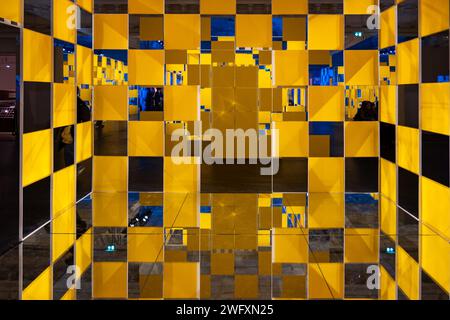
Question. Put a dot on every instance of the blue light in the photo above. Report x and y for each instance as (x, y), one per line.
(390, 250)
(110, 248)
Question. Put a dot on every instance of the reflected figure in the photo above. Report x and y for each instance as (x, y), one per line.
(152, 99)
(367, 112)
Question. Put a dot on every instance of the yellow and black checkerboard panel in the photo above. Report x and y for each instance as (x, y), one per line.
(309, 241)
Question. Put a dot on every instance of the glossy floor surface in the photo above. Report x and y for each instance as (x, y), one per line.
(224, 246)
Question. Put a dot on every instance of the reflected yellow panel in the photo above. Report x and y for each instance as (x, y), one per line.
(388, 30)
(111, 102)
(37, 56)
(41, 288)
(111, 31)
(254, 30)
(64, 20)
(289, 6)
(181, 103)
(222, 264)
(84, 65)
(146, 6)
(181, 177)
(361, 139)
(359, 6)
(181, 280)
(388, 218)
(326, 281)
(293, 138)
(181, 210)
(435, 257)
(325, 32)
(84, 141)
(326, 103)
(109, 210)
(218, 7)
(85, 4)
(110, 280)
(246, 287)
(389, 180)
(388, 98)
(361, 245)
(290, 245)
(435, 202)
(146, 67)
(37, 156)
(361, 67)
(63, 233)
(408, 62)
(291, 68)
(181, 31)
(145, 138)
(407, 274)
(63, 189)
(435, 107)
(11, 10)
(145, 244)
(110, 174)
(326, 211)
(63, 104)
(388, 288)
(408, 148)
(326, 174)
(71, 294)
(433, 16)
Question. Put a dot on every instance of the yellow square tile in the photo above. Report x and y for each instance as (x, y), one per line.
(146, 67)
(326, 103)
(361, 67)
(254, 30)
(181, 31)
(325, 32)
(181, 280)
(145, 138)
(361, 139)
(110, 280)
(111, 31)
(326, 174)
(291, 68)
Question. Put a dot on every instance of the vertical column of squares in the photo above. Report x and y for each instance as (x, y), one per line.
(84, 147)
(110, 159)
(326, 149)
(37, 149)
(434, 113)
(361, 149)
(289, 116)
(64, 22)
(408, 147)
(181, 223)
(146, 149)
(388, 149)
(217, 63)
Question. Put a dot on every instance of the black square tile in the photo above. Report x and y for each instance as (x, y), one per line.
(146, 174)
(407, 20)
(36, 205)
(388, 141)
(408, 191)
(408, 105)
(37, 106)
(361, 175)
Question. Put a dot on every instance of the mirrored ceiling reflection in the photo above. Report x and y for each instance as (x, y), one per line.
(231, 246)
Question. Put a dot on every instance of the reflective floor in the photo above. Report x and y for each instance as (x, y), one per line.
(224, 246)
